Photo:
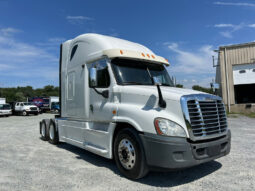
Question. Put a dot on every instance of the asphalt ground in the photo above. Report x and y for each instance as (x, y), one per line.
(28, 163)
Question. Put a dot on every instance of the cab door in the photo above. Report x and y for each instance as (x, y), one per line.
(17, 107)
(101, 108)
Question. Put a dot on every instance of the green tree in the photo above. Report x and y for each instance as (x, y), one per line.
(202, 89)
(19, 96)
(179, 86)
(21, 93)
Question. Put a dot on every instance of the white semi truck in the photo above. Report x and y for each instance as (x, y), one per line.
(118, 101)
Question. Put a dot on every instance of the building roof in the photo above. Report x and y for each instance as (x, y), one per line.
(238, 45)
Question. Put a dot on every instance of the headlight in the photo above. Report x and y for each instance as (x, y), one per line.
(168, 128)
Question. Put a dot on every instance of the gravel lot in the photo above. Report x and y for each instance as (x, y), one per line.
(28, 163)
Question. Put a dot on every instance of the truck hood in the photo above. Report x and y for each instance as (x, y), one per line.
(170, 93)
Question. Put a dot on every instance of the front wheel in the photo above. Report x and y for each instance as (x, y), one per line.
(129, 154)
(24, 113)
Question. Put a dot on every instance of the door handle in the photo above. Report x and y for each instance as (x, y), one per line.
(91, 108)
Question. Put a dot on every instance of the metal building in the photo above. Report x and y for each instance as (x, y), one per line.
(235, 73)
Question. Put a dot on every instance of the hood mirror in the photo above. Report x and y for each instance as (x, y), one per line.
(161, 101)
(156, 81)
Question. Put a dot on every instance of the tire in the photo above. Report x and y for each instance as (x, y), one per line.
(44, 125)
(129, 154)
(24, 113)
(53, 134)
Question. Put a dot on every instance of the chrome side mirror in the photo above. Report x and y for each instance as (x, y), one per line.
(156, 81)
(93, 77)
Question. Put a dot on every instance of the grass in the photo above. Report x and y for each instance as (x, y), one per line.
(235, 115)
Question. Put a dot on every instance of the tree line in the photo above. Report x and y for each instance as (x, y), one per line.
(22, 93)
(198, 88)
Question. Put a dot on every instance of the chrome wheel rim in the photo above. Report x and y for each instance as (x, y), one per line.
(127, 154)
(43, 130)
(24, 113)
(52, 133)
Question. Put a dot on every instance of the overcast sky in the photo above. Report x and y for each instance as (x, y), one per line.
(184, 31)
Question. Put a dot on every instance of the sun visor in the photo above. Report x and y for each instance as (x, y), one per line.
(113, 53)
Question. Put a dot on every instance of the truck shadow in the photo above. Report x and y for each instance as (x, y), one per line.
(177, 178)
(157, 179)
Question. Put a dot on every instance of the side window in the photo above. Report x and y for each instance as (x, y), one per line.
(73, 51)
(103, 77)
(70, 85)
(21, 104)
(17, 104)
(242, 71)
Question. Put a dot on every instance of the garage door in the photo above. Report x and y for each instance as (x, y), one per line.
(244, 74)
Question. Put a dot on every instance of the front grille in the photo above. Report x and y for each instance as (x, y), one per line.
(33, 108)
(207, 117)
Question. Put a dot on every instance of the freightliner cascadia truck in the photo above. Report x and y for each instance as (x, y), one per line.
(118, 101)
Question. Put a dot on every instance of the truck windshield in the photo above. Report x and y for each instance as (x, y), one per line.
(29, 103)
(133, 72)
(5, 106)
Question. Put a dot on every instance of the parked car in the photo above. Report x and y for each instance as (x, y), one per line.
(5, 110)
(26, 108)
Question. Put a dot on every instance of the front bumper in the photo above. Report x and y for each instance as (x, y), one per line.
(6, 113)
(32, 111)
(177, 153)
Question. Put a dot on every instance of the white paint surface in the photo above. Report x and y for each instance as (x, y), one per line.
(248, 77)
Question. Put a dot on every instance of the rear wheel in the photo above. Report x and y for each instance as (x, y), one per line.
(44, 130)
(129, 154)
(53, 134)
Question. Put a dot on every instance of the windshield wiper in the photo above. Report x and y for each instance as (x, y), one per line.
(131, 83)
(165, 85)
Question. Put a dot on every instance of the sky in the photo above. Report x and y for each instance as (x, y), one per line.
(186, 32)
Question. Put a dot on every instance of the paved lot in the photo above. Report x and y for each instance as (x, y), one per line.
(28, 163)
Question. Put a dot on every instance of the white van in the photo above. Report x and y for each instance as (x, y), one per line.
(118, 101)
(5, 110)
